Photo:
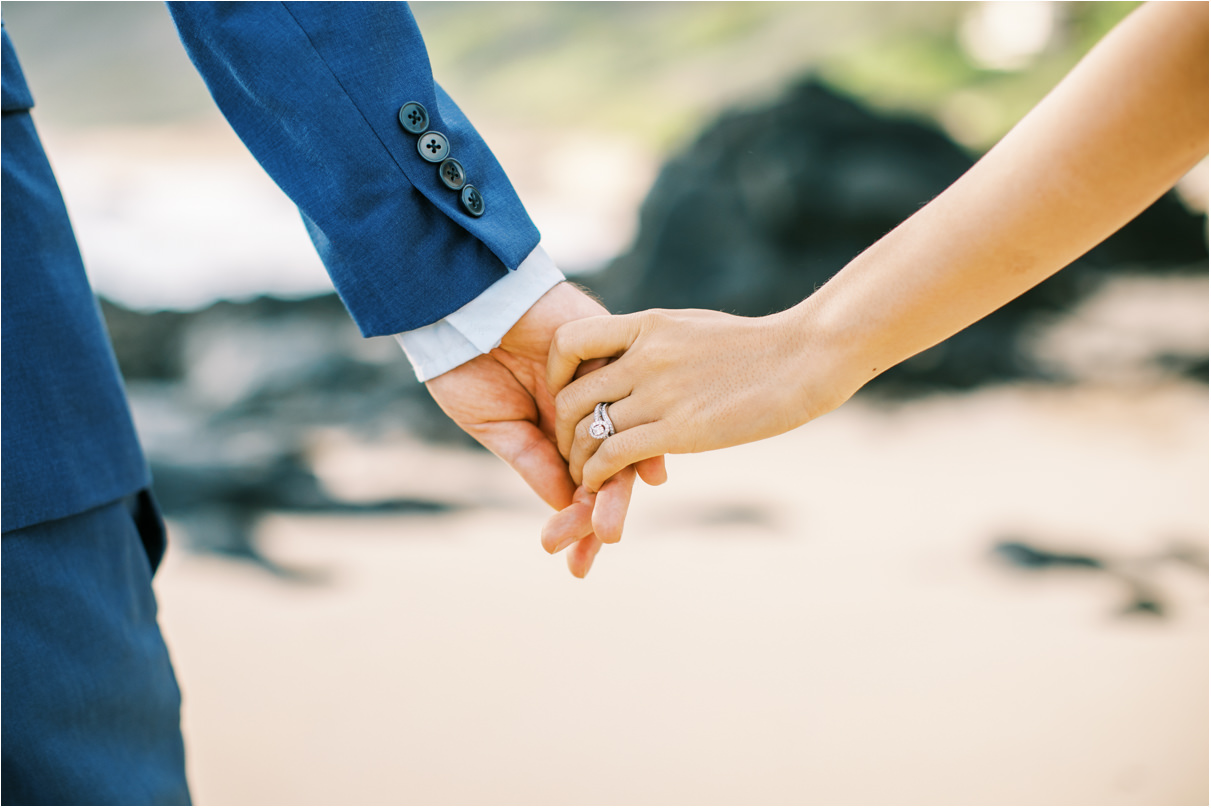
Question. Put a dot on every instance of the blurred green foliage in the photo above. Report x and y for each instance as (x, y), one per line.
(658, 72)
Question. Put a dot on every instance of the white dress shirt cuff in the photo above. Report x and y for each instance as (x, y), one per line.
(478, 327)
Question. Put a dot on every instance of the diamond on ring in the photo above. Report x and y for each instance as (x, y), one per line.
(602, 427)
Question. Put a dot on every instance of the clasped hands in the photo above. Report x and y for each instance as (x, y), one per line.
(675, 381)
(502, 400)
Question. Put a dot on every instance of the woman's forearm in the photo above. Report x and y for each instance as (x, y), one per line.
(1113, 136)
(1120, 129)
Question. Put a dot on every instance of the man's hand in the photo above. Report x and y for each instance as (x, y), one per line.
(501, 399)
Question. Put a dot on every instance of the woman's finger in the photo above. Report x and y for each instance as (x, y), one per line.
(624, 449)
(582, 448)
(652, 471)
(578, 400)
(587, 338)
(584, 444)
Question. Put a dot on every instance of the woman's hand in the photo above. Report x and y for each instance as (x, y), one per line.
(682, 381)
(501, 400)
(1121, 128)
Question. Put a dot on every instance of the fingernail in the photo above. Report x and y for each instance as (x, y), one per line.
(563, 545)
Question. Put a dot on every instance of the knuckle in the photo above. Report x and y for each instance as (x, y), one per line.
(612, 451)
(559, 342)
(564, 400)
(582, 432)
(570, 401)
(649, 320)
(593, 479)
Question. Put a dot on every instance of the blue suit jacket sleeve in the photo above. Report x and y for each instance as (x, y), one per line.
(314, 90)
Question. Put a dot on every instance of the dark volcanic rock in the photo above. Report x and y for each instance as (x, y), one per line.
(764, 208)
(288, 364)
(1138, 575)
(228, 398)
(767, 205)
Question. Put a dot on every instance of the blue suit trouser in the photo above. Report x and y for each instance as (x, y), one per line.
(91, 709)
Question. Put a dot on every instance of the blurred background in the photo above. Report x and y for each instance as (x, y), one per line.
(984, 580)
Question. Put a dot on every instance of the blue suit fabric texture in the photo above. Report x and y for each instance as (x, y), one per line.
(91, 706)
(90, 702)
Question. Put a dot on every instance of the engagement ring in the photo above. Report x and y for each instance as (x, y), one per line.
(602, 427)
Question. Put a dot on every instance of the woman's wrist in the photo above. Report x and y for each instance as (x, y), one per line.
(828, 359)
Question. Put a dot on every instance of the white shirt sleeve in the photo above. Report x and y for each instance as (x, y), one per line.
(478, 327)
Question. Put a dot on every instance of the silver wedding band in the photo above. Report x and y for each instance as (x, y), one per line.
(602, 427)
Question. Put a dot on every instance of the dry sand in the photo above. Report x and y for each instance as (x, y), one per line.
(814, 619)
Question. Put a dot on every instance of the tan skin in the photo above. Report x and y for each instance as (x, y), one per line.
(1113, 136)
(501, 399)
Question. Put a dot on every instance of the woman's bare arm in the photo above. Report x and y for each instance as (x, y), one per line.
(1113, 136)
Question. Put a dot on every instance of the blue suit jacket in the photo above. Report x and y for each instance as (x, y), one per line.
(313, 90)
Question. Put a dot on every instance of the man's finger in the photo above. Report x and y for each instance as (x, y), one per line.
(532, 455)
(580, 557)
(571, 524)
(610, 509)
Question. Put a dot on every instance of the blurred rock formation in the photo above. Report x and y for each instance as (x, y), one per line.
(751, 218)
(1139, 576)
(227, 400)
(768, 204)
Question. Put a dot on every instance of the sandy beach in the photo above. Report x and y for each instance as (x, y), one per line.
(817, 618)
(820, 618)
